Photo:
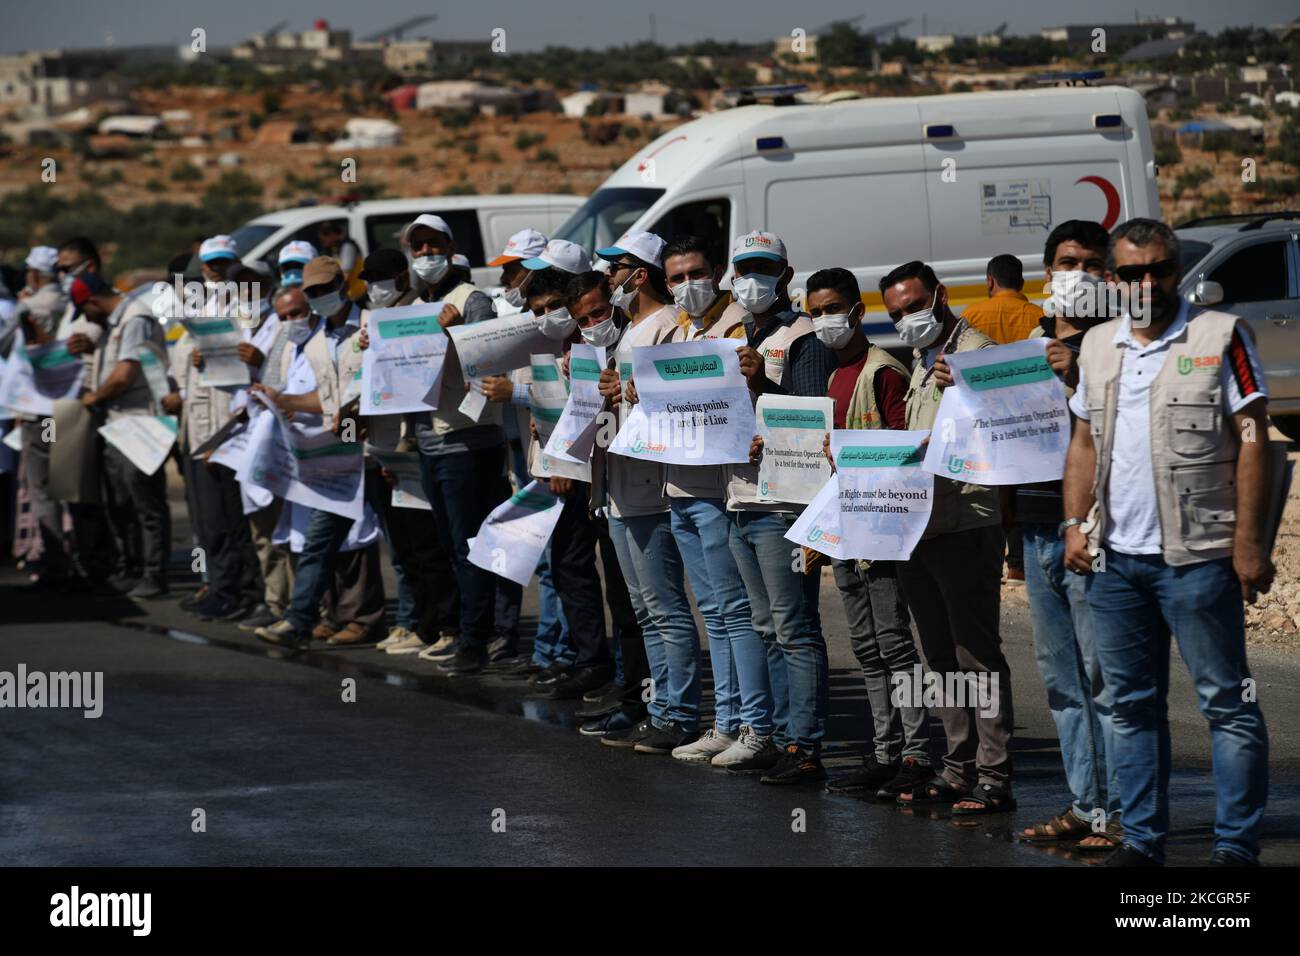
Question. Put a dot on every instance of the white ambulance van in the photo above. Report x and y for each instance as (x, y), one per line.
(868, 184)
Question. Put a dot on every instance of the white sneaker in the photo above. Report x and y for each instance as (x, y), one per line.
(441, 650)
(708, 746)
(395, 635)
(749, 754)
(410, 643)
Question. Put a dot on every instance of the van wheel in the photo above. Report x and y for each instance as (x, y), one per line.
(1288, 425)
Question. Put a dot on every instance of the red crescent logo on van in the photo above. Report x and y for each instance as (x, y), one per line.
(640, 167)
(1112, 198)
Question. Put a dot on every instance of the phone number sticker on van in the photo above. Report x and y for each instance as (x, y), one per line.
(1014, 205)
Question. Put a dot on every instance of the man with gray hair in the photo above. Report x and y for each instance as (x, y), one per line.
(1166, 493)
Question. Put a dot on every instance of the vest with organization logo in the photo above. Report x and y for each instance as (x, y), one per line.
(322, 365)
(1193, 444)
(864, 411)
(742, 480)
(958, 505)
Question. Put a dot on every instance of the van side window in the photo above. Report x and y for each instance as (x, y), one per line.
(1257, 273)
(311, 233)
(710, 219)
(385, 231)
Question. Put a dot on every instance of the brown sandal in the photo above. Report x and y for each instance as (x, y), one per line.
(1064, 826)
(1113, 835)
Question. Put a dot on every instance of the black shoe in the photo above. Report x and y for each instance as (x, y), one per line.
(867, 779)
(295, 642)
(501, 649)
(186, 603)
(463, 662)
(613, 723)
(148, 590)
(1128, 856)
(631, 736)
(578, 681)
(212, 609)
(124, 582)
(795, 766)
(912, 774)
(1224, 858)
(603, 706)
(666, 738)
(519, 670)
(240, 612)
(259, 616)
(548, 675)
(612, 689)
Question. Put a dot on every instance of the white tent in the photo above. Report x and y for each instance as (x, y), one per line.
(361, 133)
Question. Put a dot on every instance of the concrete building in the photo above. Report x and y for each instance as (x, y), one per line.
(39, 85)
(1146, 28)
(935, 43)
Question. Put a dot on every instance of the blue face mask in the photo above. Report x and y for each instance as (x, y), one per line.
(291, 277)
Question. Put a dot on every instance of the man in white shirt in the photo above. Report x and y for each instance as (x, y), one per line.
(1166, 494)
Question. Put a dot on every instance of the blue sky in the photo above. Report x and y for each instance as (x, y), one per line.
(594, 23)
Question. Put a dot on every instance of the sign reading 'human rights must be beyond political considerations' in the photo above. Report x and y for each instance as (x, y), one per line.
(498, 346)
(884, 496)
(694, 406)
(1004, 419)
(402, 369)
(512, 538)
(792, 428)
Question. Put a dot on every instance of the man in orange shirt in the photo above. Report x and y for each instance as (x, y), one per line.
(1007, 316)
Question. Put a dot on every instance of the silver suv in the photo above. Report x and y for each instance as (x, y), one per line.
(1250, 265)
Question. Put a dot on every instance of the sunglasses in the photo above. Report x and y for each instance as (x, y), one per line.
(1162, 269)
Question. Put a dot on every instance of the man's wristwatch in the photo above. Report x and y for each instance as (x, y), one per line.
(1066, 525)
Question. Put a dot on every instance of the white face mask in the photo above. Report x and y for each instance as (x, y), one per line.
(694, 296)
(326, 305)
(620, 298)
(299, 330)
(920, 329)
(602, 334)
(65, 280)
(557, 324)
(1075, 294)
(383, 292)
(514, 297)
(432, 269)
(833, 330)
(755, 292)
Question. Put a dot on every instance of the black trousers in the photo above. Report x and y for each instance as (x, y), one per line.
(631, 642)
(573, 571)
(139, 515)
(234, 576)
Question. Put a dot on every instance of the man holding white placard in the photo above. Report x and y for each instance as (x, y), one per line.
(953, 581)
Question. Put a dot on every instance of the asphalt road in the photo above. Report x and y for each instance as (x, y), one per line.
(419, 768)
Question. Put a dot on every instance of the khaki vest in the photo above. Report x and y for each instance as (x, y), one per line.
(447, 418)
(1193, 444)
(864, 411)
(958, 505)
(317, 351)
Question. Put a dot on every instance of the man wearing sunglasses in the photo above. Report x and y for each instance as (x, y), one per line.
(1166, 489)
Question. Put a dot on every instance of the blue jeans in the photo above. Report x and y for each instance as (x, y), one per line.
(463, 488)
(551, 642)
(1136, 603)
(783, 606)
(314, 569)
(672, 644)
(741, 693)
(1066, 649)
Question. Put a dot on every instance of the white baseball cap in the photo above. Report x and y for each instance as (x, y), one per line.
(218, 247)
(759, 245)
(645, 246)
(460, 261)
(430, 220)
(524, 244)
(43, 259)
(563, 255)
(297, 251)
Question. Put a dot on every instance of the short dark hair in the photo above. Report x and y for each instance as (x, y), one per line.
(583, 283)
(916, 269)
(654, 274)
(684, 245)
(1085, 232)
(83, 247)
(1141, 232)
(840, 280)
(1007, 271)
(550, 279)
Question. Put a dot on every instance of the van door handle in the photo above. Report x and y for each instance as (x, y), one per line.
(1280, 319)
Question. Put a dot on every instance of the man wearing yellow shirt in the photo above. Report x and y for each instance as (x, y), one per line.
(1006, 316)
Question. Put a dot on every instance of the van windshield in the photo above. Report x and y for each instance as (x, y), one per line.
(607, 215)
(247, 238)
